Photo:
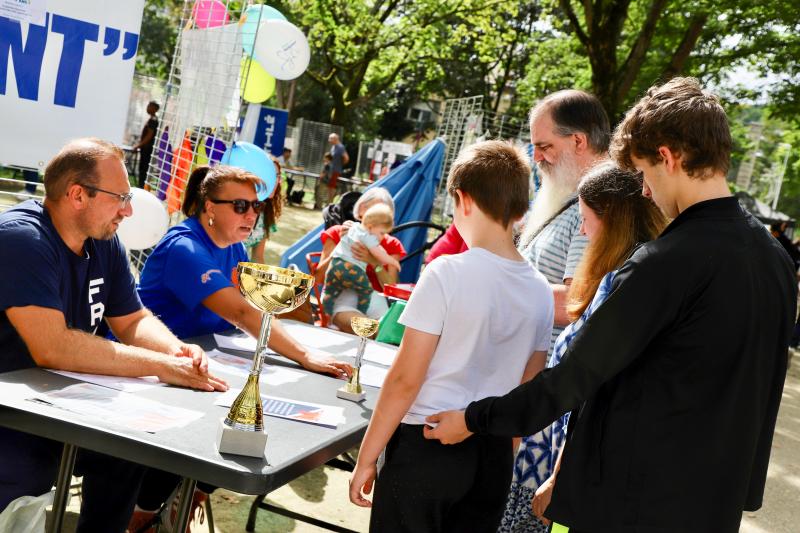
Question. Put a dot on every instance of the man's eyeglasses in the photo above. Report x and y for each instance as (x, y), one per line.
(241, 206)
(124, 199)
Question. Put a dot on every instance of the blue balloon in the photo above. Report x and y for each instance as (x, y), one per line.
(255, 160)
(254, 16)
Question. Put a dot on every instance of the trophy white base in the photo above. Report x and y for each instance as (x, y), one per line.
(238, 442)
(352, 396)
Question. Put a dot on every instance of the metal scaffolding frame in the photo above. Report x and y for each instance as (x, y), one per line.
(464, 122)
(200, 101)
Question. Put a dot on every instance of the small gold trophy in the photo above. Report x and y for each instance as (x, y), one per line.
(273, 290)
(363, 327)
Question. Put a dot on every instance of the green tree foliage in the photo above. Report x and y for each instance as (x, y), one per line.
(619, 48)
(775, 155)
(372, 59)
(789, 201)
(160, 23)
(361, 49)
(491, 58)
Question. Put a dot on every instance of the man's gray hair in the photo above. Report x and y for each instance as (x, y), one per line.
(575, 111)
(370, 195)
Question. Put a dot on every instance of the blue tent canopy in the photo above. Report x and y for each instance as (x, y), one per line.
(413, 187)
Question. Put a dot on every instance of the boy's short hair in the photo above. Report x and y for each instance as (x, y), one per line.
(496, 175)
(683, 117)
(379, 215)
(327, 157)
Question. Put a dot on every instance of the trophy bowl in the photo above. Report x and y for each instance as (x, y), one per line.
(273, 289)
(363, 326)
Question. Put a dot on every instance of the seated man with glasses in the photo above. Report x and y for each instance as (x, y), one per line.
(63, 273)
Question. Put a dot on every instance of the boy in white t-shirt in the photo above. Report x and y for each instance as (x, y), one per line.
(477, 324)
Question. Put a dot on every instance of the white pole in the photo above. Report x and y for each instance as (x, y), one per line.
(783, 173)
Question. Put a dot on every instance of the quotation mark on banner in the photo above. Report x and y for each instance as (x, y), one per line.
(112, 43)
(27, 57)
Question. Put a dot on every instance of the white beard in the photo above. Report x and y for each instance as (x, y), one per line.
(559, 182)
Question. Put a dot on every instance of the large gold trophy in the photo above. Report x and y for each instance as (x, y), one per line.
(273, 290)
(363, 327)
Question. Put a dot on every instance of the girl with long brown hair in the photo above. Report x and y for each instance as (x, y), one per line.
(612, 197)
(616, 218)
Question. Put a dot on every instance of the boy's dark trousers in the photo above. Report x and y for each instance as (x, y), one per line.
(426, 486)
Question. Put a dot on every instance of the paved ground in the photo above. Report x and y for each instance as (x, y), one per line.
(781, 513)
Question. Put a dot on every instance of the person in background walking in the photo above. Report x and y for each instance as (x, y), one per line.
(339, 158)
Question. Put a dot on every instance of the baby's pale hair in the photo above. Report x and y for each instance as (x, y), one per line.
(379, 215)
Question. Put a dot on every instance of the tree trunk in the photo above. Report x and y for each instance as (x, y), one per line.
(603, 59)
(290, 99)
(280, 97)
(340, 112)
(689, 41)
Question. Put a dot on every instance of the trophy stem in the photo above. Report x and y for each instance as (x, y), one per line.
(261, 346)
(246, 412)
(362, 345)
(352, 390)
(355, 381)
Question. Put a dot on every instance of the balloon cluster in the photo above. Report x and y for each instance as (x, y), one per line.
(274, 48)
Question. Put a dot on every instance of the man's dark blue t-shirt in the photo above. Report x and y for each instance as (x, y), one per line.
(37, 268)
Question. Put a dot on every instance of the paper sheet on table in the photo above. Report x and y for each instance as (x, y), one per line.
(336, 343)
(236, 341)
(312, 413)
(118, 408)
(221, 362)
(113, 382)
(372, 375)
(378, 353)
(17, 391)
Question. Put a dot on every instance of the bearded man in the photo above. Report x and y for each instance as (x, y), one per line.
(570, 134)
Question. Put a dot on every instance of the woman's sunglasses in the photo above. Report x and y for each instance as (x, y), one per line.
(241, 206)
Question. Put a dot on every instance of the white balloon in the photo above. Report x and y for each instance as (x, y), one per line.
(148, 223)
(281, 49)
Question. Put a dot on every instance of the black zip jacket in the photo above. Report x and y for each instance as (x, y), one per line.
(674, 382)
